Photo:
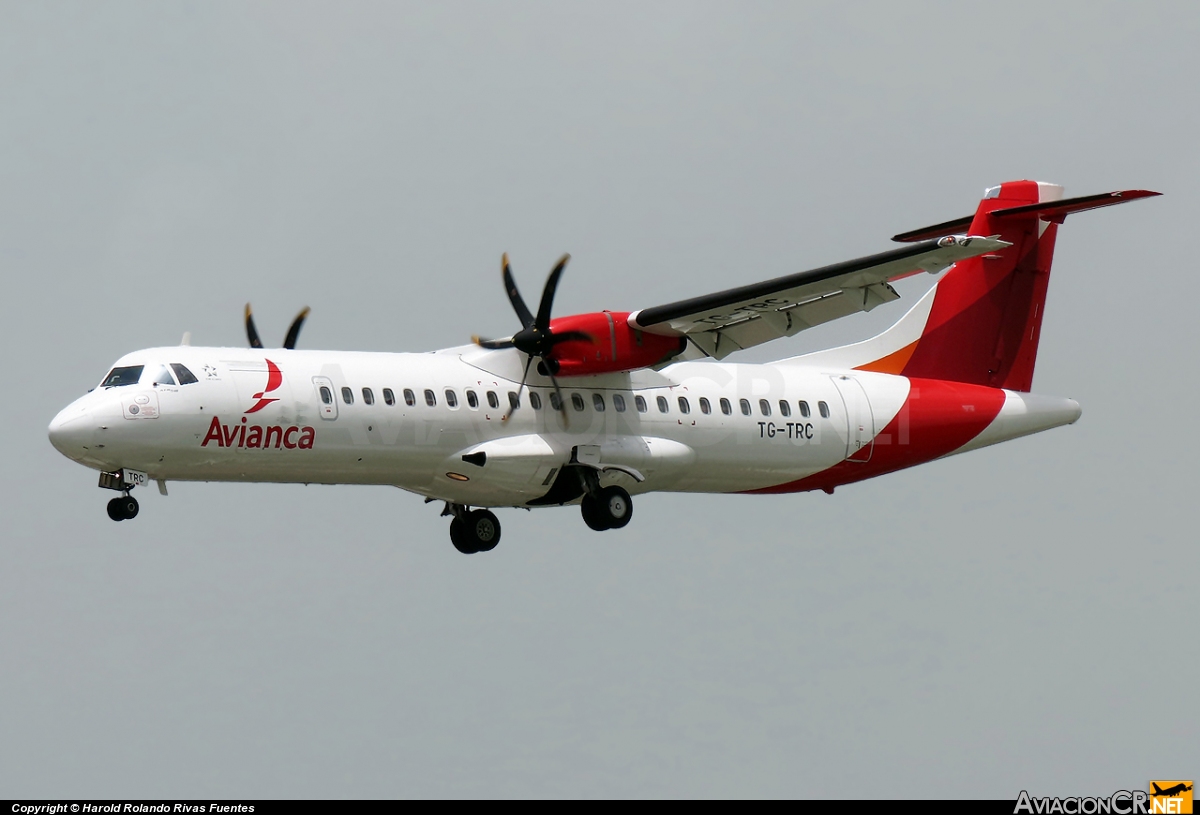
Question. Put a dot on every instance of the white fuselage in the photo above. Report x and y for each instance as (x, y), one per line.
(374, 423)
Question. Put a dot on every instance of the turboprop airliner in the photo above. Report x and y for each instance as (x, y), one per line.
(591, 409)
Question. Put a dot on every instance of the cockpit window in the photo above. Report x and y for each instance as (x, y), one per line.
(129, 375)
(184, 376)
(163, 377)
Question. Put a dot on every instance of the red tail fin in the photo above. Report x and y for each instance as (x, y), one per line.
(981, 323)
(986, 318)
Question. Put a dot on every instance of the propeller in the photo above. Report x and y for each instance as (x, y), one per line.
(293, 333)
(535, 339)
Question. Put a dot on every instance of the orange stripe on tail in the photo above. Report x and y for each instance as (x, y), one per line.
(893, 363)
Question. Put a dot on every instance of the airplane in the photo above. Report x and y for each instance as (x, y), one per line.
(593, 408)
(1170, 792)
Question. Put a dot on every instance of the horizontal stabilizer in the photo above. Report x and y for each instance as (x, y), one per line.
(1053, 211)
(956, 227)
(1057, 211)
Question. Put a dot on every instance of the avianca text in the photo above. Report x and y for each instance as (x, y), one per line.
(252, 436)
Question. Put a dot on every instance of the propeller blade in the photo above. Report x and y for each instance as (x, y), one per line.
(562, 405)
(514, 296)
(251, 331)
(289, 342)
(571, 336)
(543, 315)
(520, 390)
(492, 344)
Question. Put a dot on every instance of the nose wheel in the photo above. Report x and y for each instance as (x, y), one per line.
(609, 508)
(472, 532)
(123, 508)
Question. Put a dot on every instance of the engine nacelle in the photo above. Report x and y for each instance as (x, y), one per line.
(614, 346)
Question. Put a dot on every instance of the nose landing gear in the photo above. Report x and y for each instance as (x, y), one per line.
(123, 508)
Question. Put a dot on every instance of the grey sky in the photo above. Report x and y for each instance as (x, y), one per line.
(1016, 618)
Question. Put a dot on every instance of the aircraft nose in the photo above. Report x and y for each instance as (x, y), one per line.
(71, 431)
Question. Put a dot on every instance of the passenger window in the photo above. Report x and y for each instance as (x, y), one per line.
(184, 376)
(684, 407)
(430, 398)
(804, 409)
(389, 398)
(348, 396)
(576, 401)
(535, 401)
(513, 401)
(640, 404)
(619, 403)
(163, 377)
(663, 405)
(726, 408)
(123, 376)
(472, 399)
(744, 404)
(556, 401)
(824, 408)
(451, 398)
(705, 407)
(326, 396)
(764, 407)
(784, 408)
(598, 402)
(410, 398)
(493, 399)
(368, 396)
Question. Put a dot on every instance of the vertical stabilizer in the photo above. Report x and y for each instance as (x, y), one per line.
(981, 322)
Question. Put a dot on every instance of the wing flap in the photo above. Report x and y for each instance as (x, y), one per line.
(728, 321)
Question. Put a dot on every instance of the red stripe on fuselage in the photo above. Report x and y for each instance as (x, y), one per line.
(937, 418)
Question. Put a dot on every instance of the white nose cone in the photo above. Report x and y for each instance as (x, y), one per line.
(72, 430)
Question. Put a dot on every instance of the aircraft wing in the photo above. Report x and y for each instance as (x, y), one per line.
(727, 321)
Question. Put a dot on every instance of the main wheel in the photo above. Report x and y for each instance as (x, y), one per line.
(461, 538)
(617, 505)
(124, 508)
(593, 514)
(484, 528)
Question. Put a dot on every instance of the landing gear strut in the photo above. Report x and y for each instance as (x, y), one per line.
(473, 531)
(123, 508)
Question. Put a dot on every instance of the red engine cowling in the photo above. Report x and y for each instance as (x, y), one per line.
(614, 346)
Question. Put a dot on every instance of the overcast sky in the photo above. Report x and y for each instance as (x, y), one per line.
(1015, 618)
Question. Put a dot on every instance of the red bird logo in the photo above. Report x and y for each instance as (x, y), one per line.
(274, 380)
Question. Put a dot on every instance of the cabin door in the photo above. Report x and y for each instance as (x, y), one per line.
(860, 420)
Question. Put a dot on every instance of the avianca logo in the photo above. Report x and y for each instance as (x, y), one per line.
(257, 437)
(274, 380)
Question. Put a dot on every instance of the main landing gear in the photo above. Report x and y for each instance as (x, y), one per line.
(603, 508)
(123, 508)
(607, 508)
(473, 531)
